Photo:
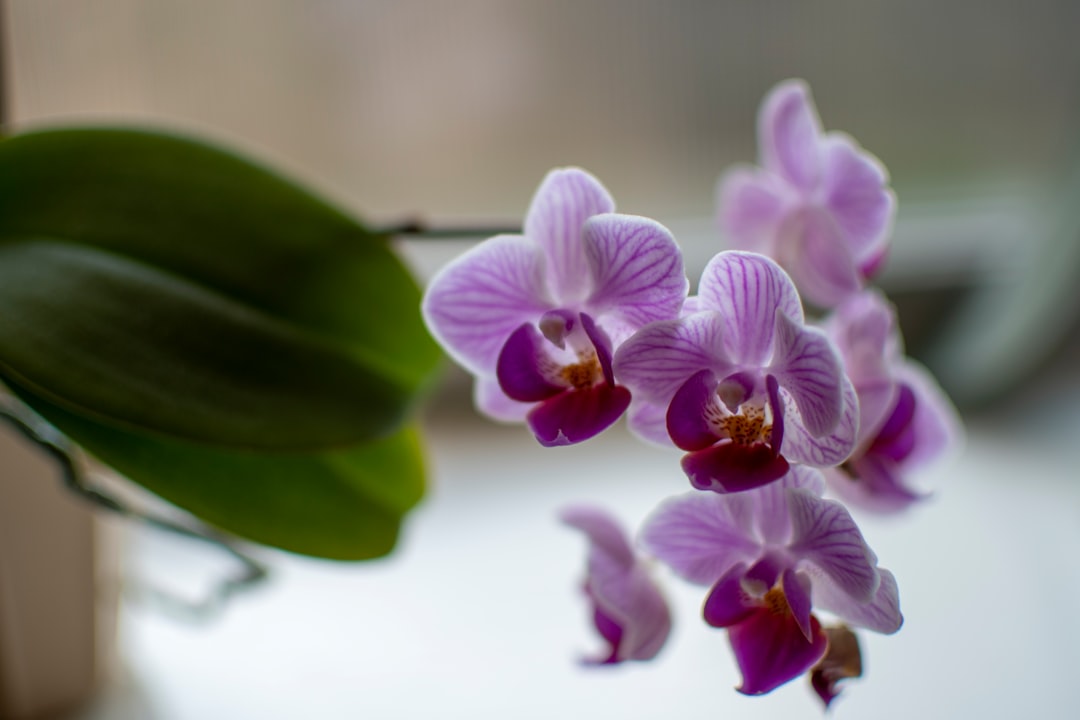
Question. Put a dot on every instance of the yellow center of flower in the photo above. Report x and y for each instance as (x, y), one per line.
(748, 427)
(776, 602)
(583, 374)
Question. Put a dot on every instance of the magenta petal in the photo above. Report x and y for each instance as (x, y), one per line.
(771, 650)
(565, 200)
(729, 467)
(881, 614)
(825, 535)
(747, 289)
(789, 135)
(728, 603)
(636, 267)
(806, 365)
(796, 587)
(473, 304)
(648, 420)
(896, 437)
(601, 344)
(687, 415)
(522, 364)
(936, 423)
(875, 484)
(829, 450)
(751, 208)
(577, 415)
(776, 405)
(857, 193)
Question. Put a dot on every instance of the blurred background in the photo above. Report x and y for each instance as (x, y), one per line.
(454, 112)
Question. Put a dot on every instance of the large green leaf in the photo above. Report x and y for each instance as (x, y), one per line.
(128, 344)
(166, 236)
(343, 505)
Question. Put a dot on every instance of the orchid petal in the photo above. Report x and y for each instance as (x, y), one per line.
(936, 423)
(796, 587)
(771, 517)
(806, 365)
(789, 135)
(747, 289)
(771, 650)
(895, 439)
(731, 468)
(812, 248)
(494, 403)
(829, 450)
(880, 614)
(728, 603)
(752, 205)
(701, 536)
(873, 484)
(825, 536)
(648, 420)
(577, 415)
(473, 304)
(630, 611)
(524, 368)
(636, 268)
(857, 193)
(601, 345)
(565, 200)
(842, 661)
(688, 415)
(657, 360)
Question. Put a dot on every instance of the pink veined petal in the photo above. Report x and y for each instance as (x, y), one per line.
(690, 306)
(771, 650)
(789, 135)
(494, 403)
(629, 606)
(829, 450)
(807, 367)
(565, 200)
(648, 420)
(811, 247)
(874, 484)
(752, 205)
(796, 587)
(662, 356)
(473, 304)
(857, 194)
(881, 614)
(826, 537)
(864, 330)
(701, 536)
(577, 415)
(769, 504)
(636, 268)
(747, 289)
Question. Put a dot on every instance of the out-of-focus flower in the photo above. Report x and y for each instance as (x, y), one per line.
(537, 317)
(771, 555)
(629, 611)
(745, 385)
(842, 660)
(819, 204)
(906, 421)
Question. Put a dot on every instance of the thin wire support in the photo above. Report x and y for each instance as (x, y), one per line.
(54, 444)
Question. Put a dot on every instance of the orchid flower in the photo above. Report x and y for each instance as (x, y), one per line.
(536, 317)
(745, 386)
(906, 421)
(629, 611)
(772, 555)
(820, 205)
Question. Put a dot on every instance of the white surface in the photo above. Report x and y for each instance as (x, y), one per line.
(478, 615)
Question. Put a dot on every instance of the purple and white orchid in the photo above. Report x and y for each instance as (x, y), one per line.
(820, 205)
(536, 318)
(748, 388)
(771, 556)
(628, 609)
(906, 420)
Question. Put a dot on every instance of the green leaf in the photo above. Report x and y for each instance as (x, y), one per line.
(342, 505)
(116, 340)
(185, 228)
